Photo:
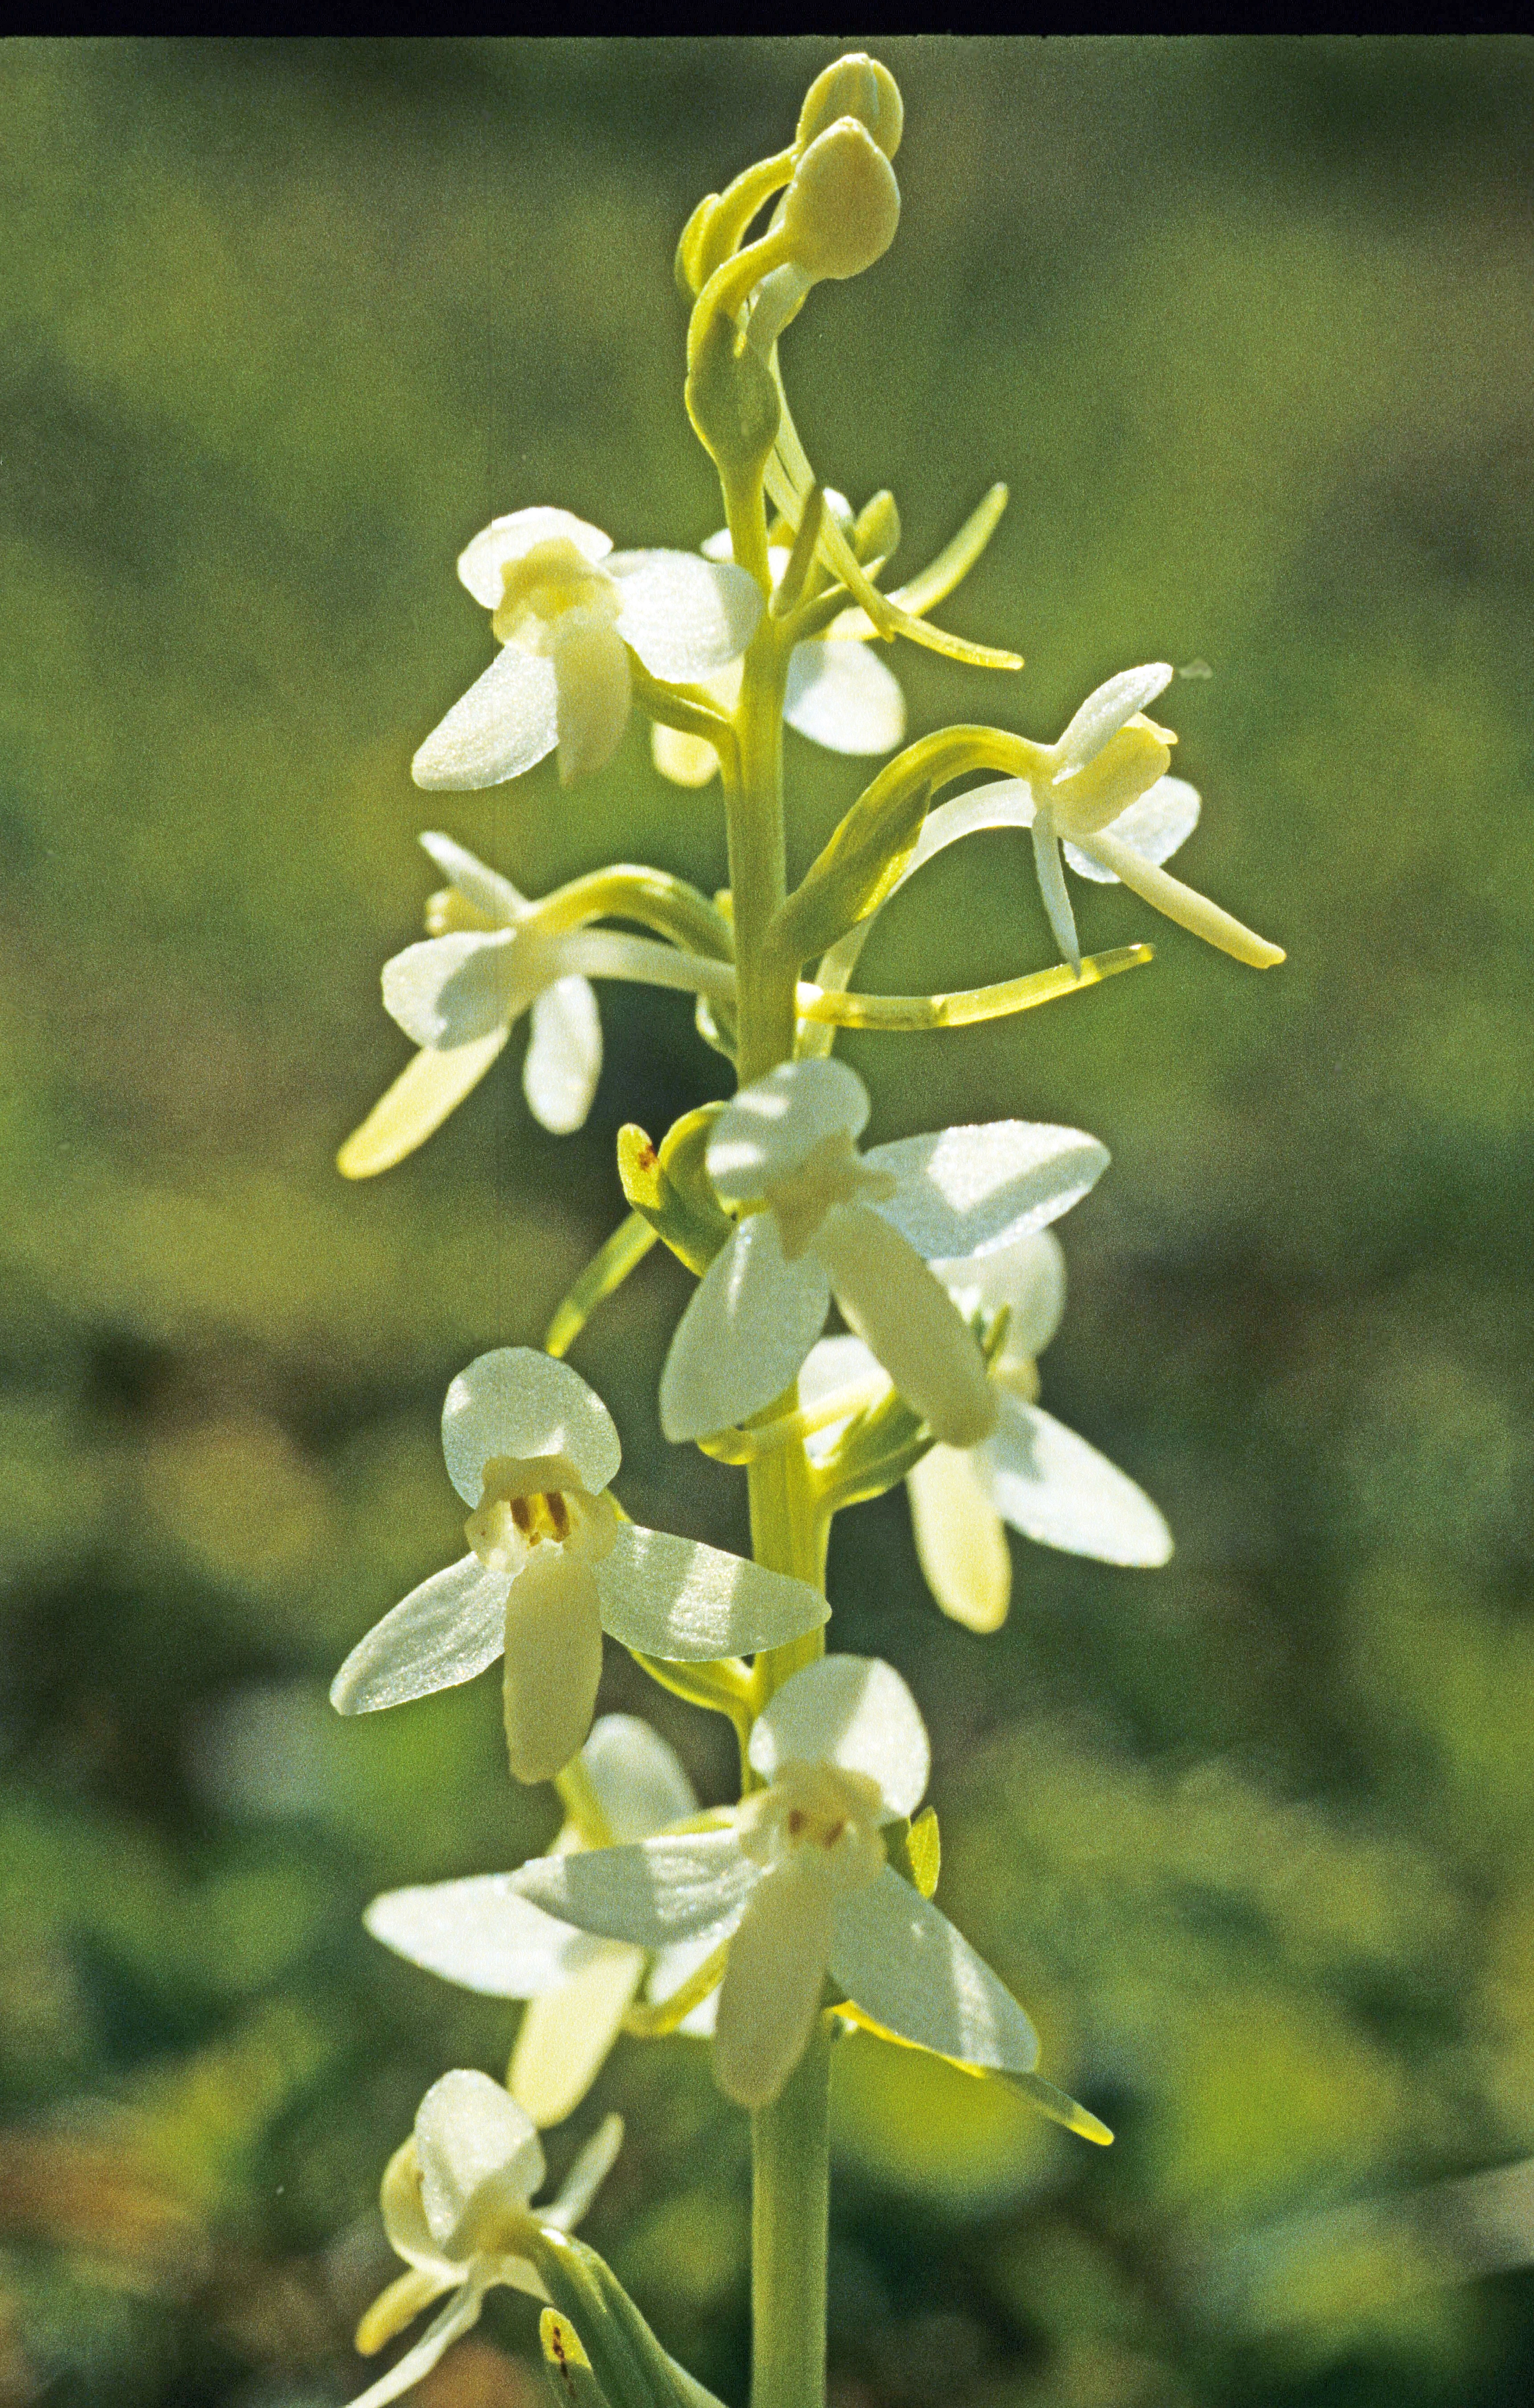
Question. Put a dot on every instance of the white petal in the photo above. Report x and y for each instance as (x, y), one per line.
(466, 2128)
(683, 616)
(854, 1711)
(909, 1319)
(505, 540)
(671, 1967)
(553, 1662)
(593, 687)
(486, 889)
(564, 1055)
(451, 991)
(519, 1403)
(959, 1537)
(833, 1368)
(566, 2035)
(842, 695)
(503, 724)
(901, 1959)
(1055, 1488)
(426, 1092)
(482, 1935)
(693, 1604)
(1111, 707)
(445, 1631)
(454, 2321)
(1028, 1277)
(1154, 827)
(746, 1331)
(768, 1130)
(587, 2175)
(771, 1990)
(638, 1780)
(686, 760)
(652, 1893)
(967, 1191)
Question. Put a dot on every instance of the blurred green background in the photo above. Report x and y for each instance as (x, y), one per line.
(1247, 327)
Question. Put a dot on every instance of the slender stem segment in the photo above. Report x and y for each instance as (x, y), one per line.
(789, 2157)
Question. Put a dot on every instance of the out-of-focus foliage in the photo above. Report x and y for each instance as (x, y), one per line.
(1246, 326)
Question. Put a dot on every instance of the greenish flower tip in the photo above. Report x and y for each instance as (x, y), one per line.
(843, 207)
(854, 86)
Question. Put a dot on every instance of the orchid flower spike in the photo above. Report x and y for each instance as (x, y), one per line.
(552, 1565)
(1031, 1472)
(824, 1221)
(839, 694)
(479, 1933)
(569, 608)
(454, 2198)
(797, 1883)
(492, 956)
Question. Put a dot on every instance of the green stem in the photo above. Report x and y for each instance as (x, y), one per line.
(789, 2158)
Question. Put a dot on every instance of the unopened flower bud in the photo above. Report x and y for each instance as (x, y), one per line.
(856, 86)
(843, 207)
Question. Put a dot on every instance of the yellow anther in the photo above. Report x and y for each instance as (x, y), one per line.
(544, 583)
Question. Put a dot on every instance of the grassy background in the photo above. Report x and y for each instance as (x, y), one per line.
(1246, 326)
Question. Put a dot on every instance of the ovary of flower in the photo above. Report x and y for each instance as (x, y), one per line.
(479, 1933)
(822, 1220)
(567, 609)
(1032, 1472)
(1103, 791)
(838, 694)
(798, 1885)
(456, 2201)
(491, 956)
(553, 1564)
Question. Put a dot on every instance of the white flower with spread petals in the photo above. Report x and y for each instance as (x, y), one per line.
(553, 1564)
(1103, 792)
(491, 956)
(838, 694)
(1031, 1471)
(479, 1933)
(567, 610)
(797, 1885)
(454, 2198)
(863, 1228)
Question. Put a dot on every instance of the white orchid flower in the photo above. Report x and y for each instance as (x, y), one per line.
(452, 2196)
(838, 694)
(1032, 1472)
(861, 1229)
(481, 1933)
(567, 609)
(797, 1885)
(553, 1564)
(491, 956)
(1102, 792)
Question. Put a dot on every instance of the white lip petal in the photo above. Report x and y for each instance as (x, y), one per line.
(1108, 708)
(553, 1662)
(1154, 827)
(844, 696)
(587, 2175)
(594, 686)
(505, 724)
(854, 1711)
(683, 616)
(1028, 1277)
(505, 540)
(426, 1092)
(466, 2128)
(1057, 1489)
(486, 889)
(900, 1958)
(516, 1402)
(451, 991)
(639, 1779)
(566, 2035)
(960, 1541)
(445, 1631)
(676, 1887)
(482, 1935)
(564, 1055)
(677, 1599)
(909, 1320)
(771, 1990)
(967, 1191)
(748, 1327)
(768, 1130)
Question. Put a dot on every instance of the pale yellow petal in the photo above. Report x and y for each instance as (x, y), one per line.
(401, 2303)
(960, 1539)
(686, 760)
(419, 1100)
(567, 2034)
